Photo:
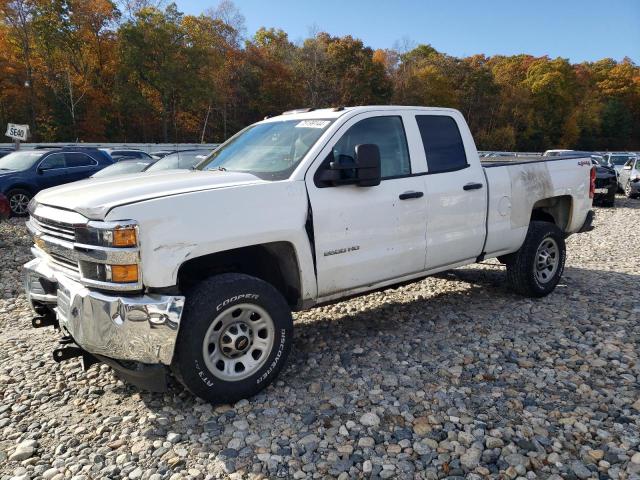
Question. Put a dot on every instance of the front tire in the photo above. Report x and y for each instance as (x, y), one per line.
(627, 190)
(18, 201)
(535, 269)
(235, 336)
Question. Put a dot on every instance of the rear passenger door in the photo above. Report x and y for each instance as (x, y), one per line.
(456, 191)
(79, 166)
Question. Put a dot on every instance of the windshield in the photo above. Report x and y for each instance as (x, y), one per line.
(179, 160)
(269, 150)
(619, 159)
(19, 160)
(121, 168)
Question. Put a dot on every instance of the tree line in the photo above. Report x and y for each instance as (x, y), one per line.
(138, 72)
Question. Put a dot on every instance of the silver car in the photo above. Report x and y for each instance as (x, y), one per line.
(617, 160)
(629, 177)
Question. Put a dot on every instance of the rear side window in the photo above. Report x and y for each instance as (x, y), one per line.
(442, 143)
(79, 160)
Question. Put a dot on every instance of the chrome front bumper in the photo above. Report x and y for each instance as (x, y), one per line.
(141, 328)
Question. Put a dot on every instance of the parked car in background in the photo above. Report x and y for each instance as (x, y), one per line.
(5, 210)
(185, 159)
(125, 166)
(162, 153)
(25, 172)
(121, 153)
(629, 178)
(555, 153)
(617, 160)
(606, 182)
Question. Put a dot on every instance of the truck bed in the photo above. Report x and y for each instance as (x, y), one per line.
(502, 161)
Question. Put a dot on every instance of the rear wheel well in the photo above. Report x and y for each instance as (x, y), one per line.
(556, 210)
(275, 263)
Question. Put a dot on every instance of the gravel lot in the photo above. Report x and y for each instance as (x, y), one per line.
(453, 376)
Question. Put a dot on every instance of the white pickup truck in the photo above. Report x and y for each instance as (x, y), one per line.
(197, 272)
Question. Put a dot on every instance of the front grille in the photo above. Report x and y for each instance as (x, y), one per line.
(64, 262)
(59, 230)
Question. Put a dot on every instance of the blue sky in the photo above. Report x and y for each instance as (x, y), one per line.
(579, 30)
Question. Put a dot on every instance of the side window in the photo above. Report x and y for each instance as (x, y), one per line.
(79, 160)
(55, 160)
(385, 132)
(442, 143)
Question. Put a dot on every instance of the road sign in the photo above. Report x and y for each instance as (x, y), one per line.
(17, 132)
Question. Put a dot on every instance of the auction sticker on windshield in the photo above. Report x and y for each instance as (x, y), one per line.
(313, 124)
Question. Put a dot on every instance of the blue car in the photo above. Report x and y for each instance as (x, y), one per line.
(25, 172)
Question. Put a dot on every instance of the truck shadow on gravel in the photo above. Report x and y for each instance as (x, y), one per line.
(408, 338)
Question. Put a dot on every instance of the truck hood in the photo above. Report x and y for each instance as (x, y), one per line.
(94, 198)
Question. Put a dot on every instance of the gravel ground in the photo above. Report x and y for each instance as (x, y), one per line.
(453, 376)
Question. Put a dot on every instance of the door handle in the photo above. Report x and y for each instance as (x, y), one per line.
(472, 186)
(408, 195)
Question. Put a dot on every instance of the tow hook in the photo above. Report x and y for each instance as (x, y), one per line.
(67, 353)
(48, 320)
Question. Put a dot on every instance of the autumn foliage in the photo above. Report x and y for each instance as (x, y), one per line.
(100, 71)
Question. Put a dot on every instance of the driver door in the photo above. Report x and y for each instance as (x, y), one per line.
(367, 235)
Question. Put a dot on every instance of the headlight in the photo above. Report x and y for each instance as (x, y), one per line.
(108, 234)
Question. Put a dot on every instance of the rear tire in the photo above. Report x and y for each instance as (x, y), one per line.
(235, 335)
(535, 269)
(18, 201)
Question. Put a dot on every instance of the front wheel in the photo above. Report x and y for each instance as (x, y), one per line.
(627, 190)
(235, 335)
(18, 201)
(535, 269)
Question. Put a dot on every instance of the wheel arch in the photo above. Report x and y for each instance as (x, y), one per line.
(557, 210)
(275, 262)
(21, 186)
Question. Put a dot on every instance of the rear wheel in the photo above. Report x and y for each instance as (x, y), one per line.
(536, 268)
(18, 201)
(235, 336)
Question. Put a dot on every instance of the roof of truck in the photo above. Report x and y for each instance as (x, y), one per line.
(335, 112)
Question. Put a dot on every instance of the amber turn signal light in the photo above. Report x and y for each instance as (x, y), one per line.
(124, 237)
(124, 273)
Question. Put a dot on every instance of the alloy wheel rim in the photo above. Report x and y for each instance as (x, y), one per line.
(627, 189)
(547, 260)
(238, 342)
(19, 203)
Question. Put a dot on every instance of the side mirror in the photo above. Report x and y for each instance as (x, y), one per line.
(368, 165)
(364, 170)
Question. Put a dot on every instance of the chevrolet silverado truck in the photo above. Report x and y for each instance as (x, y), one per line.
(197, 272)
